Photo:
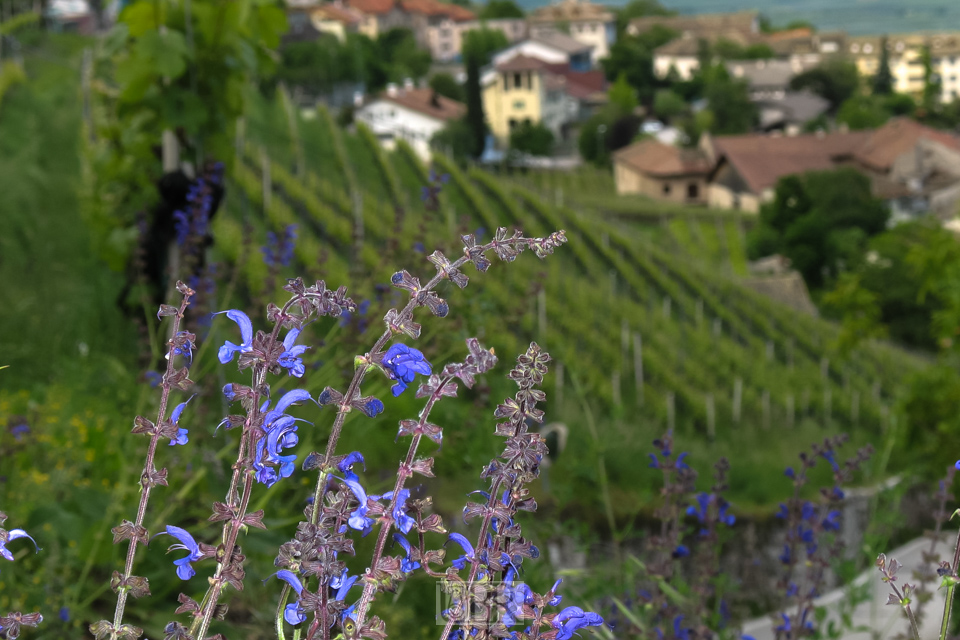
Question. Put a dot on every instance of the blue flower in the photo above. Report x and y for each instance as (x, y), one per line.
(680, 632)
(403, 363)
(680, 464)
(408, 564)
(290, 358)
(831, 457)
(185, 570)
(64, 614)
(516, 597)
(293, 613)
(281, 433)
(246, 336)
(183, 436)
(468, 551)
(342, 584)
(351, 459)
(681, 551)
(402, 521)
(832, 521)
(572, 619)
(358, 519)
(228, 392)
(11, 535)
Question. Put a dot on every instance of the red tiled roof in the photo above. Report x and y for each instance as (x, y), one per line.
(895, 138)
(372, 6)
(333, 12)
(662, 160)
(521, 62)
(762, 160)
(427, 102)
(437, 8)
(580, 84)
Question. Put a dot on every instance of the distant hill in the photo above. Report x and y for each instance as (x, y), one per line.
(853, 16)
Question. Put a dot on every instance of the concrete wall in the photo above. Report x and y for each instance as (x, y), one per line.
(630, 181)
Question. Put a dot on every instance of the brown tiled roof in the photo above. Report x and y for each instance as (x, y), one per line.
(580, 84)
(372, 6)
(790, 34)
(339, 14)
(427, 102)
(571, 11)
(761, 160)
(522, 62)
(895, 138)
(436, 8)
(662, 160)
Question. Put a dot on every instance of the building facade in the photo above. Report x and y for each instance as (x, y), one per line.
(591, 24)
(410, 114)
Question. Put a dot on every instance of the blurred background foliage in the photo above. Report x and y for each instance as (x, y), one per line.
(638, 281)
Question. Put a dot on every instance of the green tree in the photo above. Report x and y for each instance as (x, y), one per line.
(473, 54)
(633, 56)
(621, 97)
(592, 143)
(482, 43)
(729, 101)
(639, 9)
(532, 138)
(729, 50)
(446, 85)
(835, 80)
(821, 221)
(668, 105)
(883, 81)
(456, 139)
(406, 59)
(863, 112)
(498, 9)
(931, 82)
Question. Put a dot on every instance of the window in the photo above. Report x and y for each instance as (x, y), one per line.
(512, 123)
(666, 188)
(506, 82)
(854, 48)
(693, 191)
(530, 80)
(868, 48)
(445, 32)
(517, 81)
(519, 104)
(593, 28)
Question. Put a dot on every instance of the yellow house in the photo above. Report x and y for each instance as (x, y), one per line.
(514, 94)
(905, 53)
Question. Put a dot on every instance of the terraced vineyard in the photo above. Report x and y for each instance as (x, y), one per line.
(644, 338)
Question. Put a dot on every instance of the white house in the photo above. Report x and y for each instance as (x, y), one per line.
(411, 114)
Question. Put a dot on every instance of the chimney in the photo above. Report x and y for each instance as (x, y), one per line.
(392, 89)
(408, 84)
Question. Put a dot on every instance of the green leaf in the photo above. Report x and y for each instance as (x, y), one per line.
(135, 76)
(271, 22)
(629, 615)
(167, 52)
(140, 17)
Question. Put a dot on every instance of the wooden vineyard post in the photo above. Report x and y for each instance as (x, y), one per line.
(358, 228)
(638, 366)
(615, 388)
(827, 404)
(666, 307)
(737, 399)
(717, 327)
